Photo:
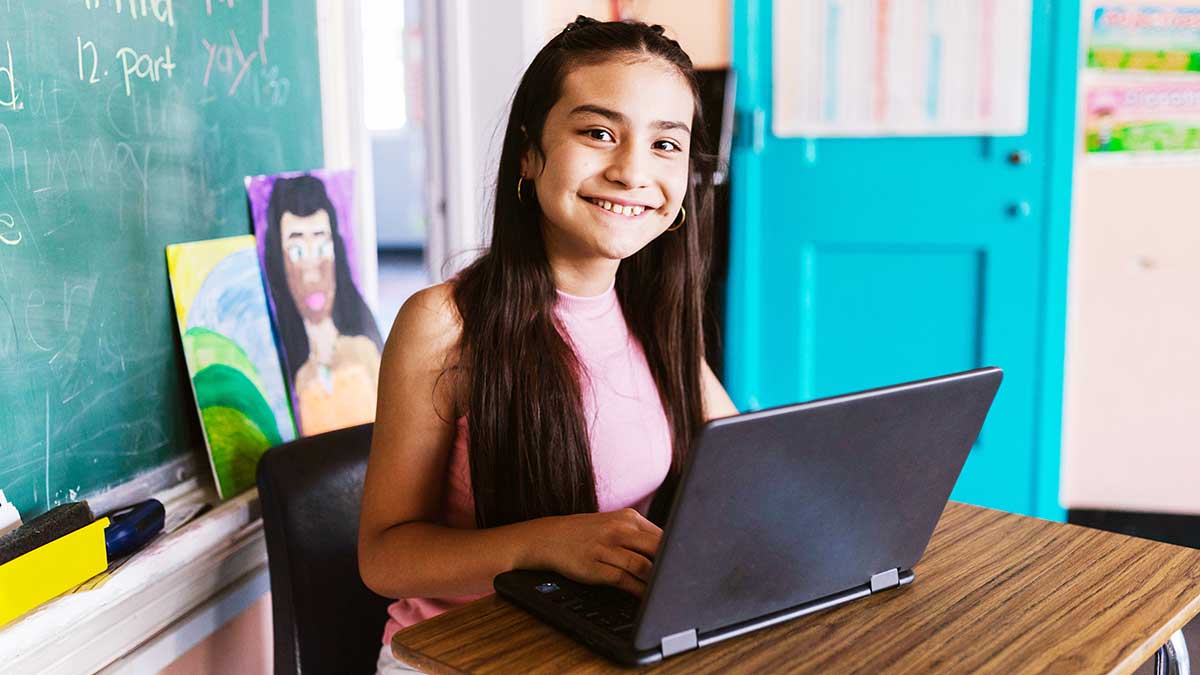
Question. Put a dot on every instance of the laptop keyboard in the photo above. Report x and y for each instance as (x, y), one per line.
(610, 609)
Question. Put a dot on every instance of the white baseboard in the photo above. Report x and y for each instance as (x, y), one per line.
(161, 650)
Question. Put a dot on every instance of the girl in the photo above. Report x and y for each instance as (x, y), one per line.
(530, 409)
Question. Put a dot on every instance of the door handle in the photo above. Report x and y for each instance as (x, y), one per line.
(1019, 157)
(1020, 209)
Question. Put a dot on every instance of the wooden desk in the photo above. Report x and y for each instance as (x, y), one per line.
(995, 592)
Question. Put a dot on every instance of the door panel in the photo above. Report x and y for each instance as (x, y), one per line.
(857, 263)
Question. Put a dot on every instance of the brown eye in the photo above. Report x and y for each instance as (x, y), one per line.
(669, 146)
(599, 134)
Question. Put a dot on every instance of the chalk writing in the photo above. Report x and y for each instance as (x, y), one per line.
(80, 45)
(161, 10)
(11, 100)
(263, 34)
(7, 236)
(30, 306)
(6, 137)
(275, 87)
(223, 57)
(144, 66)
(8, 338)
(133, 64)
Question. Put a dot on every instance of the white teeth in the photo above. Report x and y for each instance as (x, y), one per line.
(618, 208)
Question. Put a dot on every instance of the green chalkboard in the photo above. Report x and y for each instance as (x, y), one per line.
(126, 125)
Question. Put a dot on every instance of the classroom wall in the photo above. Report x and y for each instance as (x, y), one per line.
(1131, 399)
(244, 645)
(700, 26)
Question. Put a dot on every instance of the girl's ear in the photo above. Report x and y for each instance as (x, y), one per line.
(531, 159)
(529, 165)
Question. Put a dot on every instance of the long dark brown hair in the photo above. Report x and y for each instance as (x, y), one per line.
(529, 451)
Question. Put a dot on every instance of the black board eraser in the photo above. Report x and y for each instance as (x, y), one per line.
(57, 522)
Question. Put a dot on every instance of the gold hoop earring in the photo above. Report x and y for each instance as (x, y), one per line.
(520, 179)
(682, 217)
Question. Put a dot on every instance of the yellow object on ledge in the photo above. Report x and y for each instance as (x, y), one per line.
(48, 571)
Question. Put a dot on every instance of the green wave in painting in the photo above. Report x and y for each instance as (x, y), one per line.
(203, 348)
(220, 385)
(236, 445)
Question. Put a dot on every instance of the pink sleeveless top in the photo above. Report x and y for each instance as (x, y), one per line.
(627, 428)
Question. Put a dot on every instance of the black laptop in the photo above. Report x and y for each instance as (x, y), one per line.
(781, 513)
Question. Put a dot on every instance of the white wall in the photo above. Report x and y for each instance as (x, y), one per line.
(485, 47)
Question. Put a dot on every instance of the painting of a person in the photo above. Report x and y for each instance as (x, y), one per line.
(330, 342)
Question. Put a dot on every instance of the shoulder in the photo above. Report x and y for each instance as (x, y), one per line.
(429, 319)
(304, 373)
(424, 340)
(421, 348)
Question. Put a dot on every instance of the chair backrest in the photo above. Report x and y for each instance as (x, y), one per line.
(325, 619)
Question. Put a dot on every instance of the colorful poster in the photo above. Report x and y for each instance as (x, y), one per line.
(1145, 116)
(328, 336)
(231, 357)
(901, 67)
(1145, 38)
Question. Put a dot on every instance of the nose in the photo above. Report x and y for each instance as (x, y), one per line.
(629, 167)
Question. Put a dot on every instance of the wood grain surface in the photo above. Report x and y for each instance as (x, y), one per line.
(995, 592)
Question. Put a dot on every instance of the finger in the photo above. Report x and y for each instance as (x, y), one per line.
(634, 564)
(643, 523)
(618, 577)
(645, 543)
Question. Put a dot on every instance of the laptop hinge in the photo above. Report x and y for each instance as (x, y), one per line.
(678, 642)
(885, 580)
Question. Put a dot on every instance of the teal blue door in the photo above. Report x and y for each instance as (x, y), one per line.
(858, 263)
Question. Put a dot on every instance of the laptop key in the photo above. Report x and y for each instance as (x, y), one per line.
(625, 631)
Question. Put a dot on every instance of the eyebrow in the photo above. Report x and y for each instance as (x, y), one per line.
(621, 118)
(300, 232)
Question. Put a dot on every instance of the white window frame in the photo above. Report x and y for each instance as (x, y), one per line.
(475, 54)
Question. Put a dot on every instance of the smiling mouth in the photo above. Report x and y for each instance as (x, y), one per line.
(618, 209)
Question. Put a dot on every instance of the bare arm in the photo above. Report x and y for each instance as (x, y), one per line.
(716, 400)
(402, 551)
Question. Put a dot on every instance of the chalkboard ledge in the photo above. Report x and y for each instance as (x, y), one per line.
(168, 597)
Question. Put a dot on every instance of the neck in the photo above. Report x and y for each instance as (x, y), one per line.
(580, 275)
(321, 336)
(587, 281)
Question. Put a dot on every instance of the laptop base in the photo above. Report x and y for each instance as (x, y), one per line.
(521, 587)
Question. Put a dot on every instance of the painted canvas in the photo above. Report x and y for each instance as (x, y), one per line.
(328, 337)
(231, 356)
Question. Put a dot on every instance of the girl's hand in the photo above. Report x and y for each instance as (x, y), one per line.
(614, 548)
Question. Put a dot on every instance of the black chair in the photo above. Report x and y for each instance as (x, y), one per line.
(325, 619)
